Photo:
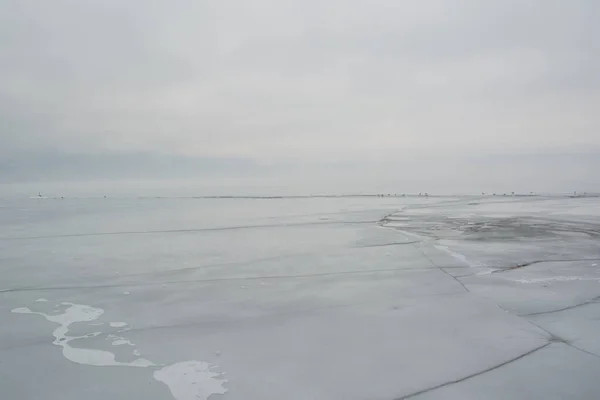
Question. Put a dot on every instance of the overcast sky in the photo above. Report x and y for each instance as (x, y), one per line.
(301, 83)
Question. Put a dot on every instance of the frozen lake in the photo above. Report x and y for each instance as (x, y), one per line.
(356, 298)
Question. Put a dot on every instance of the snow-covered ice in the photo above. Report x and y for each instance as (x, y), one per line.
(322, 298)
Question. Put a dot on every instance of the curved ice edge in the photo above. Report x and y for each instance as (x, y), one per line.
(188, 380)
(427, 239)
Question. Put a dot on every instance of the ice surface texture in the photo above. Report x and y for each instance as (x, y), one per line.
(341, 298)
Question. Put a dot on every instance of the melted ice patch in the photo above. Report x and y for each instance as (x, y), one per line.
(81, 313)
(191, 380)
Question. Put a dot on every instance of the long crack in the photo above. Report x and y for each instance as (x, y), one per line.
(475, 374)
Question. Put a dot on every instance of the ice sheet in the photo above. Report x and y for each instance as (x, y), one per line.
(346, 298)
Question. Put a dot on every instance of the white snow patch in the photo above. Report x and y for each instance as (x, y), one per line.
(558, 279)
(188, 380)
(117, 324)
(81, 313)
(41, 301)
(191, 380)
(454, 254)
(121, 342)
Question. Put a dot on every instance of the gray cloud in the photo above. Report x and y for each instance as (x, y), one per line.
(289, 81)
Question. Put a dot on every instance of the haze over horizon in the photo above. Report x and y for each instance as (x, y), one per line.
(296, 97)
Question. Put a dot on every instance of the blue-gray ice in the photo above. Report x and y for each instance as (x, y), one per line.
(300, 298)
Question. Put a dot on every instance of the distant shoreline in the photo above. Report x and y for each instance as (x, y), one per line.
(328, 196)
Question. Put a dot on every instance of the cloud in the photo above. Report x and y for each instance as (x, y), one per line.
(280, 81)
